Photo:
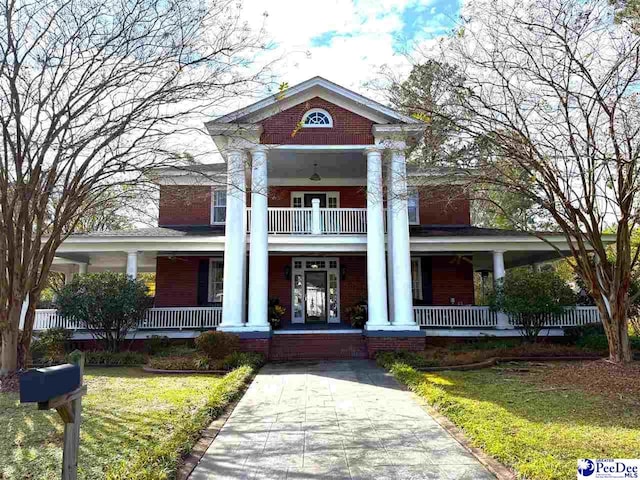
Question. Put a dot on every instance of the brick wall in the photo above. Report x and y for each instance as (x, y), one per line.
(452, 278)
(177, 281)
(279, 286)
(350, 197)
(258, 345)
(444, 206)
(184, 205)
(386, 344)
(348, 127)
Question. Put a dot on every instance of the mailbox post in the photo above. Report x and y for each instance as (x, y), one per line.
(60, 388)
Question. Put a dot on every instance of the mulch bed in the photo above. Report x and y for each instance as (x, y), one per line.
(598, 377)
(10, 383)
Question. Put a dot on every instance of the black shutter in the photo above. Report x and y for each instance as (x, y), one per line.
(203, 282)
(427, 285)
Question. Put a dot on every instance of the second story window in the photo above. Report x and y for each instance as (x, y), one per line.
(413, 201)
(316, 117)
(218, 206)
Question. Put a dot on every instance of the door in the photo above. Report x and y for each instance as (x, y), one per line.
(315, 296)
(308, 197)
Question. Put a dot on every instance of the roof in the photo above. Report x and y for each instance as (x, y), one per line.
(171, 231)
(316, 86)
(468, 231)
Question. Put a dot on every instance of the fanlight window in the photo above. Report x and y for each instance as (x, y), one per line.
(317, 117)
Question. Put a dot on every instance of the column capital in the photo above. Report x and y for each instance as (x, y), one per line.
(392, 144)
(372, 149)
(258, 149)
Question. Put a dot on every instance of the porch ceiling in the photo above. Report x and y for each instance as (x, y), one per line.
(332, 164)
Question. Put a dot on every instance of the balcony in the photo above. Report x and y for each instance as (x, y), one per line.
(314, 221)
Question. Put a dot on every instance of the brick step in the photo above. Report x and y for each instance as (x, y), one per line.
(317, 346)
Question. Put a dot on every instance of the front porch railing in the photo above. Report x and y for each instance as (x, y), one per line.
(478, 317)
(317, 221)
(454, 316)
(155, 319)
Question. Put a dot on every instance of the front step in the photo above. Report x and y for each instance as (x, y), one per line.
(317, 346)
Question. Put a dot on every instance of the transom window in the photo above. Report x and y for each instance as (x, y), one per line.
(316, 117)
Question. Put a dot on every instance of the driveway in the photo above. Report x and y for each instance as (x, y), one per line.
(337, 420)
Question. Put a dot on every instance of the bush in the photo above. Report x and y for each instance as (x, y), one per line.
(386, 360)
(107, 304)
(176, 351)
(217, 345)
(574, 334)
(103, 357)
(357, 314)
(531, 297)
(50, 345)
(184, 362)
(241, 359)
(276, 312)
(156, 344)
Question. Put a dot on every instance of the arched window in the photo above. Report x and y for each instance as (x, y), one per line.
(317, 118)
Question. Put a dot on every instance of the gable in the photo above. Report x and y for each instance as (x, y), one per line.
(349, 128)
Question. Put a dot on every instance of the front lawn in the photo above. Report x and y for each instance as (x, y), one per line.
(540, 418)
(135, 425)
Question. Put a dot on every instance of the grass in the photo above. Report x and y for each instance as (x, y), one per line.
(537, 428)
(135, 425)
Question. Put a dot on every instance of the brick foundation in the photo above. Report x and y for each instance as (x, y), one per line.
(317, 346)
(386, 344)
(257, 345)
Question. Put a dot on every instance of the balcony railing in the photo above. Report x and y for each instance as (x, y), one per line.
(478, 317)
(314, 221)
(156, 318)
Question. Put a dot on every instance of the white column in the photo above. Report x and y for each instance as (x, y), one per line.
(82, 268)
(498, 274)
(235, 244)
(315, 216)
(132, 264)
(376, 268)
(259, 249)
(401, 257)
(389, 242)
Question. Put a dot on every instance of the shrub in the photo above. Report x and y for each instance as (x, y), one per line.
(386, 360)
(531, 297)
(50, 345)
(107, 304)
(276, 312)
(176, 351)
(156, 344)
(357, 314)
(573, 334)
(103, 357)
(241, 359)
(217, 345)
(191, 362)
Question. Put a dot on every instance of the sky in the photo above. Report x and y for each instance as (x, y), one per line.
(348, 41)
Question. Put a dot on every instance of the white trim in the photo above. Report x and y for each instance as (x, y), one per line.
(317, 110)
(488, 332)
(319, 331)
(301, 271)
(315, 83)
(210, 282)
(301, 193)
(325, 182)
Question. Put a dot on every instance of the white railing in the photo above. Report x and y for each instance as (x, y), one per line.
(471, 316)
(317, 221)
(452, 316)
(156, 318)
(343, 220)
(571, 317)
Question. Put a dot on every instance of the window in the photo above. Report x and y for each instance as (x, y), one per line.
(216, 281)
(416, 278)
(413, 201)
(333, 202)
(317, 118)
(218, 206)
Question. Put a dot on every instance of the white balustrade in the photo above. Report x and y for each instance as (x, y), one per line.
(454, 316)
(332, 221)
(155, 318)
(474, 316)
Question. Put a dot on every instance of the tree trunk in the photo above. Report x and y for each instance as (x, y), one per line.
(616, 328)
(9, 356)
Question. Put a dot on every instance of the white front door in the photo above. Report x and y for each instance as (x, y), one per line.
(315, 290)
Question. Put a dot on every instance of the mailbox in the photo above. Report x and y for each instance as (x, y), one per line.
(42, 384)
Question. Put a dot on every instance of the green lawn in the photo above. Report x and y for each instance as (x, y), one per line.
(539, 421)
(133, 423)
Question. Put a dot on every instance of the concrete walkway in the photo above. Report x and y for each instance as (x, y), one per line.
(335, 420)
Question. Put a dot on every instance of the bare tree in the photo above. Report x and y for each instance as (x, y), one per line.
(94, 94)
(552, 86)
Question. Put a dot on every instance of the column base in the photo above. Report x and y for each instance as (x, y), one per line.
(392, 328)
(244, 328)
(392, 340)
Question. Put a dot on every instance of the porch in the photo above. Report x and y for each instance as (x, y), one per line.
(184, 322)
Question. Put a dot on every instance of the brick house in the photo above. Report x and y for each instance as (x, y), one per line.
(315, 207)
